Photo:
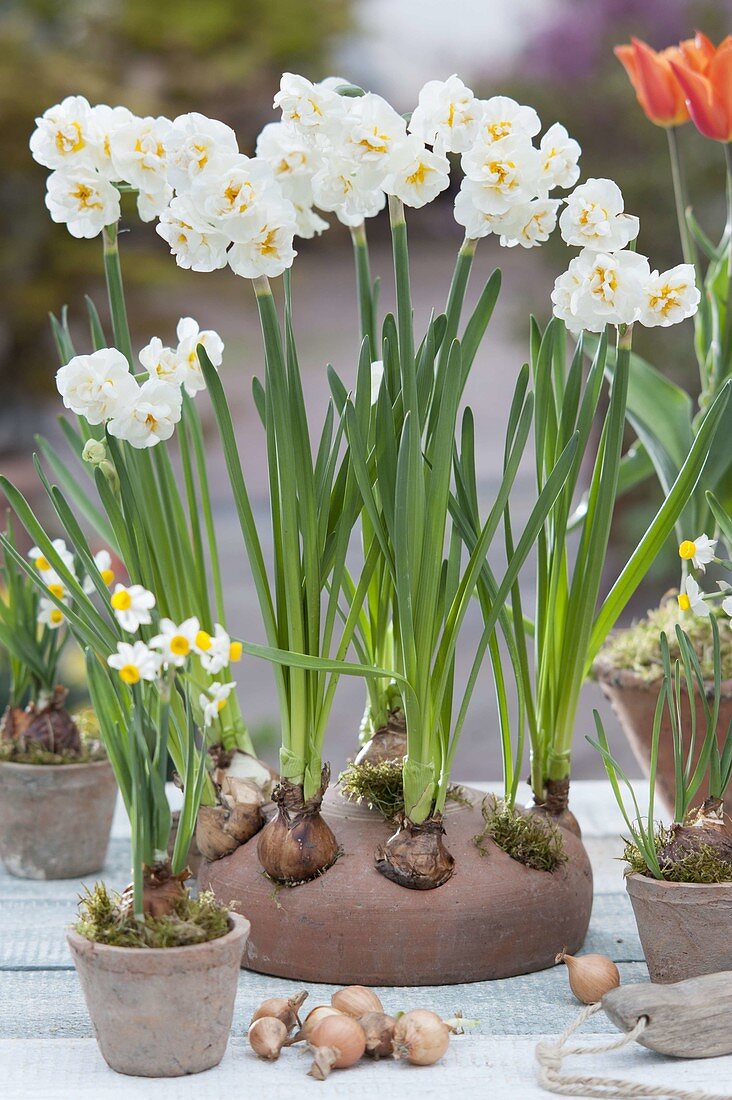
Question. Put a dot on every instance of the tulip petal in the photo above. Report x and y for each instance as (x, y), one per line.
(720, 78)
(707, 115)
(664, 100)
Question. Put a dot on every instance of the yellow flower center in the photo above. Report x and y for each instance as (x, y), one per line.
(179, 645)
(220, 704)
(56, 616)
(129, 674)
(268, 247)
(122, 600)
(235, 651)
(42, 563)
(70, 142)
(203, 640)
(83, 195)
(499, 130)
(419, 176)
(56, 590)
(687, 549)
(502, 172)
(684, 602)
(667, 299)
(107, 575)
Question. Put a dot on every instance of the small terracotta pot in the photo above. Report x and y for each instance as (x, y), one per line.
(194, 856)
(55, 818)
(634, 701)
(684, 927)
(164, 1011)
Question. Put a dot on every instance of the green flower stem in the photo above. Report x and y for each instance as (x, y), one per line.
(115, 291)
(366, 304)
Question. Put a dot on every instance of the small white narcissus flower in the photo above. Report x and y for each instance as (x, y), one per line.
(66, 135)
(599, 290)
(503, 117)
(559, 158)
(194, 143)
(502, 174)
(311, 108)
(160, 361)
(529, 224)
(38, 558)
(150, 417)
(176, 642)
(229, 197)
(670, 297)
(447, 113)
(103, 562)
(377, 135)
(190, 338)
(97, 386)
(420, 176)
(474, 221)
(699, 551)
(132, 606)
(691, 598)
(135, 662)
(49, 614)
(195, 243)
(337, 187)
(593, 217)
(82, 200)
(214, 700)
(269, 250)
(215, 650)
(107, 120)
(139, 157)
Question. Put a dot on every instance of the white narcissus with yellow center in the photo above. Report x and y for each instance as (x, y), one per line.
(196, 244)
(39, 559)
(194, 144)
(139, 157)
(268, 250)
(447, 114)
(669, 297)
(691, 598)
(559, 155)
(160, 361)
(97, 386)
(82, 200)
(150, 416)
(601, 289)
(135, 662)
(501, 174)
(175, 641)
(418, 175)
(503, 117)
(67, 135)
(49, 614)
(311, 108)
(699, 551)
(190, 338)
(132, 606)
(594, 218)
(213, 701)
(529, 224)
(216, 650)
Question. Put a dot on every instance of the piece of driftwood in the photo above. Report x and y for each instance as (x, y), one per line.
(689, 1019)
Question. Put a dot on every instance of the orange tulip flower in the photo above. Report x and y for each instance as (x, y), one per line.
(708, 91)
(653, 78)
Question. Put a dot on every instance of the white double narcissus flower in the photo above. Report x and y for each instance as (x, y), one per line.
(132, 606)
(82, 200)
(418, 176)
(107, 120)
(66, 135)
(230, 194)
(216, 650)
(670, 297)
(49, 614)
(376, 136)
(139, 157)
(214, 700)
(559, 154)
(699, 551)
(268, 251)
(338, 188)
(501, 174)
(150, 416)
(196, 244)
(97, 386)
(135, 662)
(294, 162)
(503, 117)
(160, 361)
(193, 144)
(691, 598)
(190, 338)
(593, 218)
(311, 108)
(176, 642)
(447, 114)
(599, 290)
(529, 224)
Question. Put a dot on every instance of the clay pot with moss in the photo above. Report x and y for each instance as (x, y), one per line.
(57, 794)
(630, 672)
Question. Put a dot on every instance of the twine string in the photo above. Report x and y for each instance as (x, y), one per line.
(550, 1055)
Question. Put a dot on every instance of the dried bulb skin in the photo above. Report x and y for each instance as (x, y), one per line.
(379, 1031)
(221, 829)
(555, 806)
(49, 727)
(342, 1039)
(388, 743)
(706, 827)
(311, 1021)
(590, 976)
(356, 1000)
(267, 1036)
(161, 891)
(416, 856)
(285, 1009)
(421, 1037)
(324, 1060)
(297, 844)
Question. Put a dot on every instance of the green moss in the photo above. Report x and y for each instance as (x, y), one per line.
(194, 920)
(381, 787)
(638, 648)
(704, 866)
(527, 838)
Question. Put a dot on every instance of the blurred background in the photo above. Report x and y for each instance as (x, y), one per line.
(224, 58)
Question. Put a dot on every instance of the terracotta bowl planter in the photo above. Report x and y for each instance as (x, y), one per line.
(494, 918)
(685, 928)
(55, 818)
(634, 702)
(161, 1012)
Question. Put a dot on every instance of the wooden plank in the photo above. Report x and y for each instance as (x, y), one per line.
(502, 1068)
(49, 1003)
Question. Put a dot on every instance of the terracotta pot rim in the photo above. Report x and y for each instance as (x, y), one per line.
(622, 677)
(645, 882)
(239, 927)
(70, 769)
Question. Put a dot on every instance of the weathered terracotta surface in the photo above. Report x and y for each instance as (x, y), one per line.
(161, 1012)
(685, 928)
(634, 702)
(494, 918)
(55, 818)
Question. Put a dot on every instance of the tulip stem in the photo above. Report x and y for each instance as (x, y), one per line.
(679, 185)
